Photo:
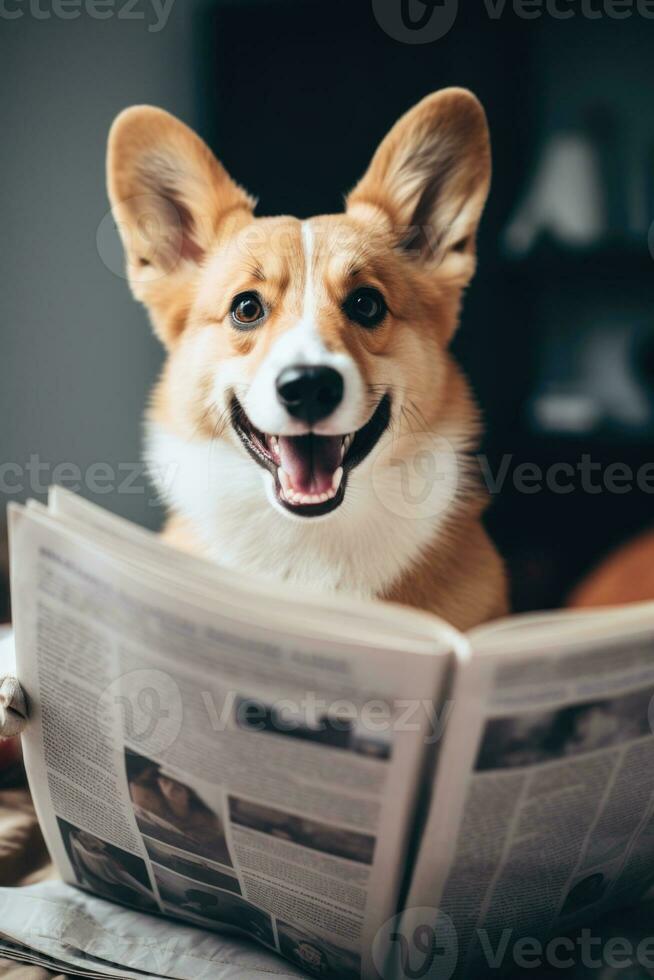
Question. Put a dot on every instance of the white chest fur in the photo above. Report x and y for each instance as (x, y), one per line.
(360, 549)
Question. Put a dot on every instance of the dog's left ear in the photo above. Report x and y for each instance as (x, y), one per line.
(171, 199)
(429, 179)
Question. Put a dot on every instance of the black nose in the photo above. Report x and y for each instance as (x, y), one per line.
(310, 392)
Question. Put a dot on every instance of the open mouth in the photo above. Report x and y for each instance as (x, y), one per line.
(310, 471)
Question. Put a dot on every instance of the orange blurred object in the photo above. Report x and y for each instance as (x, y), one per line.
(627, 575)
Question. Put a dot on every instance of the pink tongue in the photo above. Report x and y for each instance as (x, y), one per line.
(310, 461)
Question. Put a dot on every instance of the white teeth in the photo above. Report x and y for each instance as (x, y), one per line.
(284, 481)
(347, 442)
(307, 499)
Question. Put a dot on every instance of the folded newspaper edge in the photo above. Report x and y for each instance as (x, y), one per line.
(65, 929)
(333, 779)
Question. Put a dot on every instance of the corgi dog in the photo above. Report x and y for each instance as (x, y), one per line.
(310, 423)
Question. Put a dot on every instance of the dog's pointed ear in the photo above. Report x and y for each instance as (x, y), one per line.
(429, 179)
(171, 200)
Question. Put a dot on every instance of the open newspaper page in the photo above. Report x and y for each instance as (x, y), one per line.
(373, 623)
(543, 812)
(190, 760)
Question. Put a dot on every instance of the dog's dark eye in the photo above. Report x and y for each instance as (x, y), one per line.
(247, 310)
(366, 306)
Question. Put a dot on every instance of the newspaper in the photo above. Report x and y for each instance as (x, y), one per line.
(544, 803)
(355, 787)
(220, 763)
(69, 931)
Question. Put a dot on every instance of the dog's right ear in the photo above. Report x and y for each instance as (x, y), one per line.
(171, 200)
(430, 178)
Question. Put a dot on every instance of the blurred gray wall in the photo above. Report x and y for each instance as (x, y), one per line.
(77, 356)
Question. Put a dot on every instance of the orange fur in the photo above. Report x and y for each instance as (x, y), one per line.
(627, 575)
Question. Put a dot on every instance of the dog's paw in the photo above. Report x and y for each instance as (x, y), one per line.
(13, 708)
